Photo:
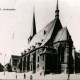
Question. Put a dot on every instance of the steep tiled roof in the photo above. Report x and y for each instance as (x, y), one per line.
(62, 35)
(43, 35)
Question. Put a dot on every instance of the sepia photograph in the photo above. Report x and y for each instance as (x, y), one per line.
(39, 39)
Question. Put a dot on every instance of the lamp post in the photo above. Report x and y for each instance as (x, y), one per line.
(4, 63)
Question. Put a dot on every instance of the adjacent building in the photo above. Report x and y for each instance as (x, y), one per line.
(13, 62)
(77, 62)
(50, 50)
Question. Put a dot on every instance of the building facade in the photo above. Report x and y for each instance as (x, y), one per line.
(50, 50)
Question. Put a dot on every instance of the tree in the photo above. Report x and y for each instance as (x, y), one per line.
(9, 68)
(1, 67)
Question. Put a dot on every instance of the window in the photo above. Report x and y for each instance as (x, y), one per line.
(38, 59)
(43, 68)
(38, 66)
(14, 68)
(31, 67)
(42, 40)
(62, 54)
(43, 56)
(39, 44)
(44, 32)
(38, 51)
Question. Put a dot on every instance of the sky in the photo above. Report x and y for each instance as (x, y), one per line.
(15, 25)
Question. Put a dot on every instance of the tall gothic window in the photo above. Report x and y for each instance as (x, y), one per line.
(43, 57)
(37, 65)
(62, 54)
(31, 67)
(38, 59)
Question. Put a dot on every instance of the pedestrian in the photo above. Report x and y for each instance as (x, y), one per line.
(68, 76)
(16, 76)
(31, 77)
(24, 76)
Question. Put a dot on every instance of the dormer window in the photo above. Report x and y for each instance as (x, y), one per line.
(28, 49)
(29, 39)
(33, 47)
(42, 40)
(44, 32)
(21, 53)
(39, 44)
(35, 43)
(24, 51)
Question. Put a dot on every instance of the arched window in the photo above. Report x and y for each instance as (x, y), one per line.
(37, 65)
(43, 57)
(38, 59)
(62, 54)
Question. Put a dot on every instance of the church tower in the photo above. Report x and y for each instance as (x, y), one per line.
(33, 30)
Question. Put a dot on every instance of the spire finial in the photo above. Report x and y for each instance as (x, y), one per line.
(57, 6)
(57, 11)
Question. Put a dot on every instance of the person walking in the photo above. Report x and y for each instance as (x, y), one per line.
(24, 76)
(31, 77)
(16, 76)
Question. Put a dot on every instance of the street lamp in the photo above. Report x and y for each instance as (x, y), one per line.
(4, 63)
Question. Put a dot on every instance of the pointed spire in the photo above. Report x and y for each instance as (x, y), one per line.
(57, 11)
(33, 31)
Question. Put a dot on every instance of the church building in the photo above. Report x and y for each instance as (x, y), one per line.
(50, 50)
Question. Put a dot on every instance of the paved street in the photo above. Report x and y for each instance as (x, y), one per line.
(20, 76)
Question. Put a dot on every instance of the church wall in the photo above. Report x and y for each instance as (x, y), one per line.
(31, 62)
(42, 64)
(28, 62)
(24, 64)
(73, 54)
(48, 64)
(37, 60)
(68, 51)
(64, 64)
(51, 63)
(34, 62)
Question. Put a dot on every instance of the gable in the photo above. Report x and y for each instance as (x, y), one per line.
(62, 35)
